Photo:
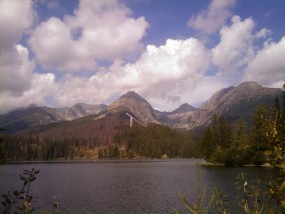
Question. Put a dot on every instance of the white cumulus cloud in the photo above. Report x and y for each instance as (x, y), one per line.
(157, 75)
(268, 66)
(210, 20)
(16, 17)
(235, 48)
(97, 30)
(42, 86)
(16, 70)
(162, 70)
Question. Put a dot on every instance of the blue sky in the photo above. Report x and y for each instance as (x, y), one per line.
(61, 52)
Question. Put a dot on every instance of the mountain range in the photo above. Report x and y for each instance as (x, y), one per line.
(232, 102)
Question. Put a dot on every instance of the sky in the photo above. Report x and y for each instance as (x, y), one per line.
(58, 53)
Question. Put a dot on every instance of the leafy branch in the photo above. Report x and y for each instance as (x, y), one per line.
(20, 200)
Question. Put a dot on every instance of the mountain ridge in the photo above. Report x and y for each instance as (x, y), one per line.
(232, 102)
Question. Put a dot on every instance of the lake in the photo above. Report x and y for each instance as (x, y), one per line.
(126, 186)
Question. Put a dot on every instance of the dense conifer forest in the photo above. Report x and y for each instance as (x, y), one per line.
(239, 145)
(105, 138)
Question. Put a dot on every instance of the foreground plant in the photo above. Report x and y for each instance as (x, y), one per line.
(251, 199)
(20, 200)
(198, 207)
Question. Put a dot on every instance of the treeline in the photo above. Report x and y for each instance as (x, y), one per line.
(246, 145)
(29, 148)
(154, 141)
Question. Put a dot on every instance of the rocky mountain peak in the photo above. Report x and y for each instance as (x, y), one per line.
(132, 95)
(32, 106)
(184, 108)
(137, 105)
(130, 100)
(249, 86)
(240, 101)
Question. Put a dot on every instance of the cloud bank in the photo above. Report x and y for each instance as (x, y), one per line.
(97, 30)
(179, 71)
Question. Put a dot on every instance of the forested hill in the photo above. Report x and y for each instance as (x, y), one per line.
(107, 137)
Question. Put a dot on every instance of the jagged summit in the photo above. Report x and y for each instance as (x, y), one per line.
(240, 101)
(184, 108)
(32, 106)
(132, 95)
(249, 86)
(137, 105)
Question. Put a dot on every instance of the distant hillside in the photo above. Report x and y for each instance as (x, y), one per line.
(31, 116)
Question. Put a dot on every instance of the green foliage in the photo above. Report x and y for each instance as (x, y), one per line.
(221, 145)
(276, 135)
(20, 201)
(218, 140)
(157, 140)
(152, 141)
(260, 129)
(207, 144)
(240, 136)
(249, 198)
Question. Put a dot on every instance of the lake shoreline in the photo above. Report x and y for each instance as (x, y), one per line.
(82, 161)
(201, 162)
(211, 164)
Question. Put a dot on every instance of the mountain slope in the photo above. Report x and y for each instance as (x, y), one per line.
(183, 109)
(240, 101)
(79, 110)
(179, 118)
(140, 108)
(232, 102)
(34, 116)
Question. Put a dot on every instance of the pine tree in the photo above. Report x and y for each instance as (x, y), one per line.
(214, 128)
(207, 144)
(240, 137)
(260, 129)
(277, 130)
(225, 133)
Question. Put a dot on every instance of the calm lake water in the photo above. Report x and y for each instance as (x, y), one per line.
(150, 186)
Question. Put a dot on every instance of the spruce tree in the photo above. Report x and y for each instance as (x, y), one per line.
(225, 136)
(207, 144)
(240, 136)
(260, 128)
(214, 128)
